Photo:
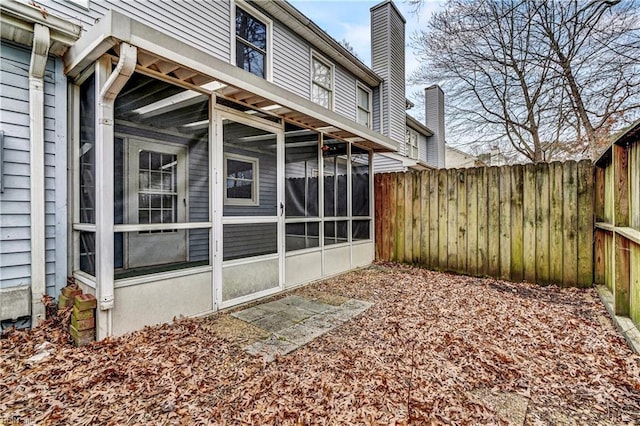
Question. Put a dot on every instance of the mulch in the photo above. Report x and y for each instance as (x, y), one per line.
(422, 354)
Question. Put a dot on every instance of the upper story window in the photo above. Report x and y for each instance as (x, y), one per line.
(321, 82)
(411, 143)
(364, 106)
(251, 43)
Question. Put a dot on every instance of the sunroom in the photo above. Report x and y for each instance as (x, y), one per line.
(196, 186)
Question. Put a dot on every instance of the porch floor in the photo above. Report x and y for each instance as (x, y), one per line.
(295, 321)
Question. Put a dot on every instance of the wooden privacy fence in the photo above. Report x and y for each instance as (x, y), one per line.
(524, 222)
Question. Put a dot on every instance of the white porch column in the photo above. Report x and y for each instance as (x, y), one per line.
(108, 85)
(39, 56)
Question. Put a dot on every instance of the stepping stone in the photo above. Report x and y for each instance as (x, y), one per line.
(270, 348)
(251, 314)
(274, 322)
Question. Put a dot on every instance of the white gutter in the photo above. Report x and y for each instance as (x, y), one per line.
(39, 56)
(110, 87)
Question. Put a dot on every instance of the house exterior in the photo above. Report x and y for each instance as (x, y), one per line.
(458, 159)
(424, 145)
(178, 158)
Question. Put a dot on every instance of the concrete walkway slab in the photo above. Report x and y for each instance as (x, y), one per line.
(295, 321)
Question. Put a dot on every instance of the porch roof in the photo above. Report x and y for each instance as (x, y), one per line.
(167, 58)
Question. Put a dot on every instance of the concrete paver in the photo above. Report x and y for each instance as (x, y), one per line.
(295, 321)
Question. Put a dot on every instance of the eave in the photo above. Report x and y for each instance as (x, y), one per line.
(165, 57)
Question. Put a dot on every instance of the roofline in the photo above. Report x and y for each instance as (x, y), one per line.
(315, 35)
(383, 3)
(17, 14)
(416, 125)
(115, 27)
(622, 139)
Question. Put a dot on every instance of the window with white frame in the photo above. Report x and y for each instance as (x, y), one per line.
(411, 143)
(364, 106)
(321, 82)
(241, 175)
(251, 42)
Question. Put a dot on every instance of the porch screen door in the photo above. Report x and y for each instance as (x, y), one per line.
(252, 222)
(156, 194)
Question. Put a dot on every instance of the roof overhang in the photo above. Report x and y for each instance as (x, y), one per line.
(168, 58)
(418, 126)
(17, 20)
(631, 134)
(409, 163)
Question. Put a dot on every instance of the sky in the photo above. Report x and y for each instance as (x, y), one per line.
(350, 20)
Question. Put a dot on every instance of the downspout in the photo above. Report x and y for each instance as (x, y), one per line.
(39, 56)
(104, 176)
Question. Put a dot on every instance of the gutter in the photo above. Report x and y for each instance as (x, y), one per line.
(110, 88)
(39, 57)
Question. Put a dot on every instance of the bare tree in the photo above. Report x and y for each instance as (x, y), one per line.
(527, 71)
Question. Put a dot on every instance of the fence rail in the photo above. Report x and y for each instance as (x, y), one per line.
(524, 222)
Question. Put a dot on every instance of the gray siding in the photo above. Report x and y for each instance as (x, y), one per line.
(15, 245)
(291, 61)
(345, 93)
(384, 164)
(434, 119)
(422, 147)
(387, 59)
(203, 24)
(432, 152)
(376, 109)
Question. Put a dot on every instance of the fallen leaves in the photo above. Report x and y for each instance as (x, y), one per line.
(430, 345)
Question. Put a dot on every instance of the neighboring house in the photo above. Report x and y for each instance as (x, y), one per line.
(458, 159)
(177, 158)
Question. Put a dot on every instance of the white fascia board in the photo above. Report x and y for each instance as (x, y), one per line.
(115, 27)
(21, 16)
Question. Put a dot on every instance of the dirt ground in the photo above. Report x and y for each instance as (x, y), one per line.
(433, 349)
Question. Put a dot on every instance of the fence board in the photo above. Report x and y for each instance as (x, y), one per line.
(462, 221)
(442, 219)
(434, 220)
(585, 178)
(542, 223)
(504, 175)
(472, 221)
(424, 218)
(530, 222)
(556, 223)
(493, 223)
(570, 226)
(483, 218)
(401, 224)
(408, 217)
(452, 221)
(517, 225)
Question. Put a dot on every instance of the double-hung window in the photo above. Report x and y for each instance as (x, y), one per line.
(251, 43)
(321, 82)
(364, 106)
(411, 143)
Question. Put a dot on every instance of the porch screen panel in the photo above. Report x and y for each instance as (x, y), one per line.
(161, 177)
(301, 174)
(87, 151)
(334, 156)
(250, 181)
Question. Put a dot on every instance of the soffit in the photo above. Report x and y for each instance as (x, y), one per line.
(164, 57)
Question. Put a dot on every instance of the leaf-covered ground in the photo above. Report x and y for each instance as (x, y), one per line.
(425, 353)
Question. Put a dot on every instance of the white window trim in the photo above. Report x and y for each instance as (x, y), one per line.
(232, 36)
(315, 55)
(255, 195)
(360, 85)
(407, 143)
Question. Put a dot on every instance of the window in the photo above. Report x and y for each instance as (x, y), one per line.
(251, 43)
(241, 180)
(157, 193)
(364, 106)
(321, 83)
(411, 143)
